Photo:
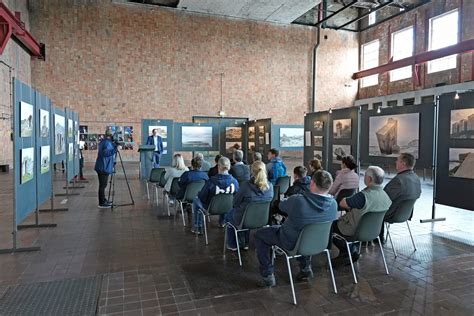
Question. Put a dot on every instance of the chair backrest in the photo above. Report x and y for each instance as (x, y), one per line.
(369, 226)
(174, 189)
(162, 179)
(403, 211)
(344, 193)
(276, 193)
(313, 239)
(220, 204)
(192, 190)
(256, 215)
(283, 183)
(155, 174)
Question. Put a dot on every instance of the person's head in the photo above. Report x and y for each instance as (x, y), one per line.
(299, 172)
(257, 156)
(223, 165)
(196, 163)
(272, 153)
(373, 176)
(236, 146)
(216, 159)
(259, 174)
(108, 133)
(199, 155)
(154, 132)
(321, 182)
(315, 165)
(178, 162)
(348, 162)
(238, 155)
(405, 161)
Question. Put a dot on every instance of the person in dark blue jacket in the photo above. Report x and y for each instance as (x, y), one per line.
(276, 167)
(239, 170)
(258, 189)
(301, 183)
(191, 176)
(222, 183)
(156, 141)
(309, 207)
(104, 166)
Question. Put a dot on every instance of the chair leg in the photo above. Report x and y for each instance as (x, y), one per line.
(383, 255)
(156, 196)
(167, 203)
(330, 269)
(291, 279)
(352, 263)
(411, 236)
(147, 190)
(390, 238)
(225, 239)
(205, 226)
(360, 246)
(238, 246)
(273, 255)
(182, 213)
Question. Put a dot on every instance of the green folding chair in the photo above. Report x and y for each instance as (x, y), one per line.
(154, 179)
(402, 214)
(174, 189)
(220, 204)
(367, 230)
(283, 183)
(192, 190)
(313, 240)
(161, 186)
(255, 216)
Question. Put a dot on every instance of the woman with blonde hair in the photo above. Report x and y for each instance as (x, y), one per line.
(177, 169)
(258, 189)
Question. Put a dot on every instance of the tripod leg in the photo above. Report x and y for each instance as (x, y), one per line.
(126, 179)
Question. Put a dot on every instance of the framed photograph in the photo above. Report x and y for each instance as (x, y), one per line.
(251, 146)
(318, 126)
(128, 134)
(342, 128)
(59, 134)
(44, 123)
(462, 123)
(261, 140)
(70, 128)
(291, 137)
(71, 151)
(233, 132)
(27, 163)
(45, 158)
(318, 141)
(91, 145)
(26, 119)
(162, 130)
(252, 132)
(267, 138)
(318, 154)
(261, 130)
(128, 146)
(83, 129)
(196, 136)
(461, 163)
(307, 138)
(165, 148)
(231, 146)
(390, 135)
(340, 151)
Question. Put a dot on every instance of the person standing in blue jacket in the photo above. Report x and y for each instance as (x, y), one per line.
(104, 166)
(275, 168)
(156, 141)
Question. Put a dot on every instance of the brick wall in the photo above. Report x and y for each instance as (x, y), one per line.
(420, 19)
(122, 63)
(19, 62)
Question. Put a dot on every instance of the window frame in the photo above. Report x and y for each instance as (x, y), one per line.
(392, 50)
(364, 83)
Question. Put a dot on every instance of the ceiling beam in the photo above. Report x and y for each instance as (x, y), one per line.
(364, 15)
(335, 13)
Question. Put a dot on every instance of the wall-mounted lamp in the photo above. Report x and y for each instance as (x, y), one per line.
(330, 111)
(456, 96)
(379, 110)
(221, 113)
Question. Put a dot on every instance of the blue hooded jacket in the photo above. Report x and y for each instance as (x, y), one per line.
(276, 169)
(188, 177)
(299, 186)
(248, 193)
(304, 209)
(105, 157)
(222, 183)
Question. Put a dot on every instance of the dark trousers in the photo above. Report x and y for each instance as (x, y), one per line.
(341, 244)
(265, 238)
(81, 166)
(156, 159)
(103, 179)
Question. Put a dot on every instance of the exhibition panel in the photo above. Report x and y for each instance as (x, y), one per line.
(262, 131)
(316, 137)
(70, 144)
(196, 137)
(43, 148)
(76, 143)
(165, 129)
(59, 139)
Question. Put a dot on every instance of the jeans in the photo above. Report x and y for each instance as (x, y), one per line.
(197, 216)
(243, 236)
(265, 238)
(103, 178)
(156, 159)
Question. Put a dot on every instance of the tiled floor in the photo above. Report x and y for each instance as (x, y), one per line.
(146, 262)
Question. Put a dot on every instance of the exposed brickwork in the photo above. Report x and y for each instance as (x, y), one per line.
(420, 18)
(15, 57)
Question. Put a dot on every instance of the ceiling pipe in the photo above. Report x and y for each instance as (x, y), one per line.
(315, 59)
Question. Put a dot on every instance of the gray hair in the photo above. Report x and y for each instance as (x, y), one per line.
(257, 156)
(199, 155)
(322, 179)
(376, 173)
(224, 163)
(238, 155)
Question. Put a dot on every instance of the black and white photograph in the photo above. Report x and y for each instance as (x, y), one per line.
(26, 119)
(318, 126)
(339, 152)
(461, 163)
(70, 128)
(318, 154)
(44, 123)
(27, 163)
(252, 132)
(342, 128)
(462, 123)
(291, 137)
(59, 134)
(196, 136)
(261, 140)
(318, 141)
(231, 146)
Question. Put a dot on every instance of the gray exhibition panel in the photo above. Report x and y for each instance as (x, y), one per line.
(288, 137)
(316, 126)
(454, 177)
(59, 135)
(167, 157)
(24, 150)
(263, 136)
(44, 148)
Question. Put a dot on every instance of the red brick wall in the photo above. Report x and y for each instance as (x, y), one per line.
(420, 19)
(15, 57)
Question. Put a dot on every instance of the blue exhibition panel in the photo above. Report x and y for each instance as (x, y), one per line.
(44, 148)
(166, 131)
(70, 142)
(59, 135)
(196, 136)
(288, 137)
(24, 150)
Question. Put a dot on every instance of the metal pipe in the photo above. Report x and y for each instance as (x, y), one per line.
(364, 15)
(315, 54)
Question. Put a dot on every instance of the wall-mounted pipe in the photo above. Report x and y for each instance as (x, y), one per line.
(315, 59)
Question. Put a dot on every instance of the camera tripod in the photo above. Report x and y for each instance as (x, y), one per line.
(112, 183)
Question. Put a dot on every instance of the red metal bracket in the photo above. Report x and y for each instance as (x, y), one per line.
(12, 27)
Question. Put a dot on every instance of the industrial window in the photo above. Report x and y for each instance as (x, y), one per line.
(372, 18)
(370, 59)
(402, 47)
(444, 31)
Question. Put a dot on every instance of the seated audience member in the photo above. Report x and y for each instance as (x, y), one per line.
(371, 199)
(257, 156)
(213, 171)
(346, 178)
(191, 176)
(176, 171)
(239, 170)
(222, 183)
(275, 168)
(258, 189)
(314, 165)
(303, 209)
(301, 183)
(404, 186)
(205, 164)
